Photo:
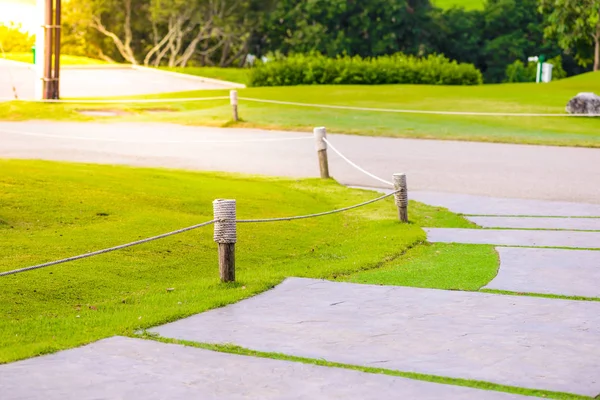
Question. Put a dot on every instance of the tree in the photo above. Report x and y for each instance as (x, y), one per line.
(171, 32)
(576, 26)
(352, 27)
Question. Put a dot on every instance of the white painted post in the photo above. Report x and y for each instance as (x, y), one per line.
(233, 99)
(321, 145)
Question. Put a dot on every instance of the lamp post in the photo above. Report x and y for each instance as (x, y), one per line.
(47, 49)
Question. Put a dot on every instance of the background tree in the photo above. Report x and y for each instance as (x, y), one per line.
(352, 27)
(576, 26)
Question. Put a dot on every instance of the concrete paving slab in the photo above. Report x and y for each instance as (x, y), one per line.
(513, 340)
(125, 368)
(513, 237)
(550, 271)
(582, 224)
(483, 205)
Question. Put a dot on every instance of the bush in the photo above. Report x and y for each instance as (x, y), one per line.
(519, 72)
(316, 69)
(13, 40)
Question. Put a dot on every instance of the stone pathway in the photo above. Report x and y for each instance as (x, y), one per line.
(512, 340)
(524, 341)
(124, 368)
(548, 271)
(513, 237)
(573, 224)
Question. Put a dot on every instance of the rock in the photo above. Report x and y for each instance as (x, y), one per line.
(584, 103)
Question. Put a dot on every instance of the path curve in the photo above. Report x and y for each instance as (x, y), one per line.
(500, 170)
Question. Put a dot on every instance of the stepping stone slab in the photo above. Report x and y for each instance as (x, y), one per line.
(550, 271)
(512, 237)
(582, 224)
(481, 205)
(521, 341)
(125, 368)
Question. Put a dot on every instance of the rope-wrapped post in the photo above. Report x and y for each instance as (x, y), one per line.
(225, 236)
(321, 145)
(233, 100)
(401, 196)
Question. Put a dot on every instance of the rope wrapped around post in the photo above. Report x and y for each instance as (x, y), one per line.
(226, 236)
(321, 146)
(233, 100)
(401, 196)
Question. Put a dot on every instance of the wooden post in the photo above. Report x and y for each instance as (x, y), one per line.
(233, 99)
(321, 145)
(401, 196)
(226, 236)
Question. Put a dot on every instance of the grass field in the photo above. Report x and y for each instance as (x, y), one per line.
(238, 75)
(513, 98)
(466, 4)
(65, 59)
(52, 210)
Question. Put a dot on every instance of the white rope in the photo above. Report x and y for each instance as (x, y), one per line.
(393, 110)
(125, 101)
(95, 253)
(225, 226)
(12, 132)
(356, 166)
(242, 221)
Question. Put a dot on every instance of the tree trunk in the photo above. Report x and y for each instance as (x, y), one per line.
(597, 50)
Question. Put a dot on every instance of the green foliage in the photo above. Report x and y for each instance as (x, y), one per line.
(518, 72)
(12, 39)
(335, 27)
(398, 68)
(576, 26)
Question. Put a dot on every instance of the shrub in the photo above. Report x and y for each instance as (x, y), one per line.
(13, 40)
(519, 72)
(316, 69)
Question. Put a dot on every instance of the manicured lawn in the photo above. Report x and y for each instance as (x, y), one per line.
(466, 4)
(238, 75)
(514, 98)
(65, 59)
(440, 265)
(53, 210)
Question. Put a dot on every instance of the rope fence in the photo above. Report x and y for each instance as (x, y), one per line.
(225, 220)
(234, 102)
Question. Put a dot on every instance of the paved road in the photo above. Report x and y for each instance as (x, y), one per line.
(500, 170)
(97, 82)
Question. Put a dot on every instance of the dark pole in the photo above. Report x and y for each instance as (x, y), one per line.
(57, 33)
(48, 20)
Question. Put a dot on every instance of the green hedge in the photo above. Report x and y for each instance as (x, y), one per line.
(397, 68)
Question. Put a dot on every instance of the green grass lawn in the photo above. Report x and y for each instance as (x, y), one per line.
(514, 98)
(466, 4)
(445, 266)
(238, 75)
(54, 210)
(65, 59)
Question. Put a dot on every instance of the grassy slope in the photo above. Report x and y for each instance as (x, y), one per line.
(238, 75)
(440, 265)
(65, 59)
(466, 4)
(517, 98)
(54, 210)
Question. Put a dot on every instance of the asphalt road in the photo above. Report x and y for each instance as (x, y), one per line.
(499, 170)
(89, 81)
